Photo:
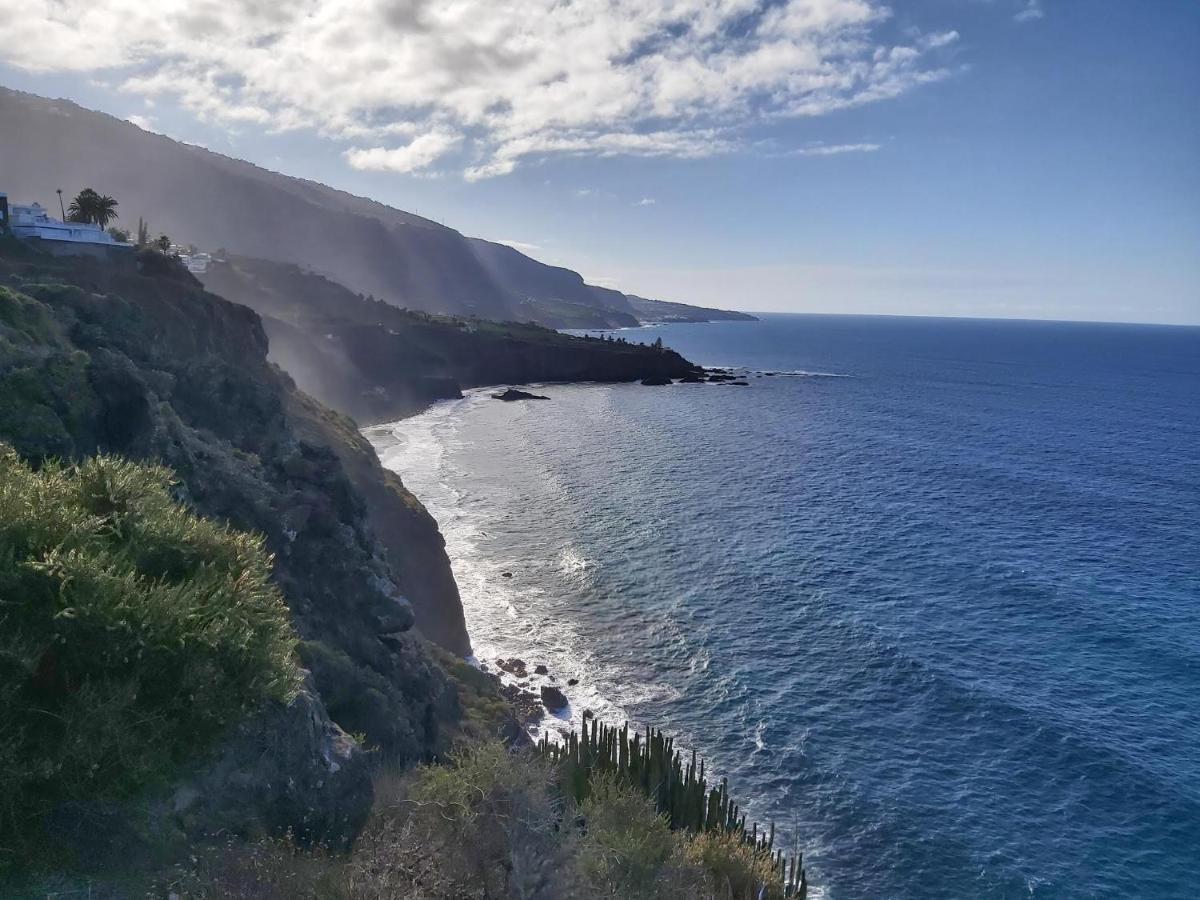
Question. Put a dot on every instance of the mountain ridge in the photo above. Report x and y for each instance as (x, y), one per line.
(203, 197)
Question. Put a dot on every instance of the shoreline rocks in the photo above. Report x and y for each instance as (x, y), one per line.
(553, 699)
(511, 394)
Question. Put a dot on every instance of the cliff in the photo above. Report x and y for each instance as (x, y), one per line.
(142, 362)
(376, 362)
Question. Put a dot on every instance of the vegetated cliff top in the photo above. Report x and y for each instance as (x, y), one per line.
(376, 362)
(148, 365)
(200, 197)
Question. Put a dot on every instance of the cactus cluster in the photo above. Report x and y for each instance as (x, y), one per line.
(648, 760)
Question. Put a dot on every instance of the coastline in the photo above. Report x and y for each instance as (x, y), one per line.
(491, 601)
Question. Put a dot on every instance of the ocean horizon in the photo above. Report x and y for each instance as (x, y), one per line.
(925, 591)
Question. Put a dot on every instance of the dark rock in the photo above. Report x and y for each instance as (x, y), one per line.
(571, 682)
(720, 377)
(691, 378)
(290, 768)
(553, 698)
(656, 380)
(526, 705)
(513, 666)
(588, 714)
(540, 670)
(738, 383)
(513, 394)
(506, 575)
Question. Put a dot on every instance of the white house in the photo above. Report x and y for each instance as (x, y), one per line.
(32, 222)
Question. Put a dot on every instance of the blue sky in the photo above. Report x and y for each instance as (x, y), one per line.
(935, 157)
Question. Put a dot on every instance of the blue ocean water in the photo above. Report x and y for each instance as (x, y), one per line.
(933, 606)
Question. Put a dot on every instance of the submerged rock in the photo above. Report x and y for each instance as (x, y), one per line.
(691, 378)
(513, 394)
(539, 669)
(571, 682)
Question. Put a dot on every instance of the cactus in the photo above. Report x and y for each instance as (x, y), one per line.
(650, 762)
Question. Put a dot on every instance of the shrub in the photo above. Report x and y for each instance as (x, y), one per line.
(627, 849)
(491, 817)
(736, 869)
(131, 632)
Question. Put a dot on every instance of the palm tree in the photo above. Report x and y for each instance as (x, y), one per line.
(82, 208)
(105, 211)
(90, 207)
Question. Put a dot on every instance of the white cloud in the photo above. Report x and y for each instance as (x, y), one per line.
(146, 123)
(835, 149)
(523, 246)
(495, 84)
(1032, 12)
(419, 153)
(646, 201)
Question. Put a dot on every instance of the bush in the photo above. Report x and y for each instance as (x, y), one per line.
(626, 849)
(131, 632)
(489, 817)
(736, 869)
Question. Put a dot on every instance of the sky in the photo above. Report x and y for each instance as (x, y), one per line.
(1010, 158)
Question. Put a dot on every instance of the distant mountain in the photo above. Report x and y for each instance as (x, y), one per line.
(213, 201)
(377, 363)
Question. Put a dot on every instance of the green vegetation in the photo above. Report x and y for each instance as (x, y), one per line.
(494, 825)
(92, 208)
(131, 632)
(650, 764)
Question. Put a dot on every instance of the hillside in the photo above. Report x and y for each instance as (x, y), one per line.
(376, 362)
(200, 197)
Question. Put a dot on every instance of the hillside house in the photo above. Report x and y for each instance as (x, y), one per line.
(33, 223)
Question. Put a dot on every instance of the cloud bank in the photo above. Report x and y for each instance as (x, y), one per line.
(485, 85)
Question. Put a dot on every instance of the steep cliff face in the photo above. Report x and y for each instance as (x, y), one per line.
(148, 365)
(376, 362)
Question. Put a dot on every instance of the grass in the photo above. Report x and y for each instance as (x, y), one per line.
(131, 633)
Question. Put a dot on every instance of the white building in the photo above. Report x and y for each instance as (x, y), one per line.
(33, 223)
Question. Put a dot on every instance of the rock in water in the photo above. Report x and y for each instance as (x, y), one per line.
(513, 394)
(553, 698)
(656, 380)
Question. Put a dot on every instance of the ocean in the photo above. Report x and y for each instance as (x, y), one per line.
(929, 595)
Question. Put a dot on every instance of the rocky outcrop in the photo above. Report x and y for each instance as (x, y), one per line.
(288, 768)
(150, 366)
(508, 396)
(553, 698)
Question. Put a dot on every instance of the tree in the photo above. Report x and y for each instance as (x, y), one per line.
(93, 208)
(163, 243)
(119, 234)
(143, 232)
